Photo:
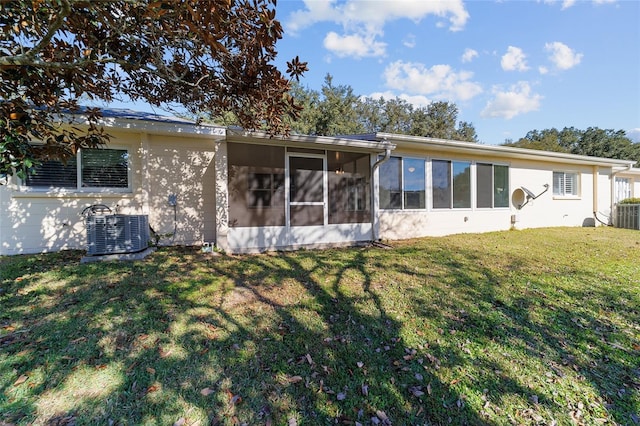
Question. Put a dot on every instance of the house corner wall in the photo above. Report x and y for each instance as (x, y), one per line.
(222, 196)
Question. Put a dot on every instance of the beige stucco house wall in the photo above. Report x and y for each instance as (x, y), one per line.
(165, 157)
(173, 159)
(527, 168)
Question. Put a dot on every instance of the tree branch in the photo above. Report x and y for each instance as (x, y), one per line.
(25, 58)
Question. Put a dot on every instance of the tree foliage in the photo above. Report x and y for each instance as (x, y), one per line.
(337, 110)
(593, 141)
(214, 55)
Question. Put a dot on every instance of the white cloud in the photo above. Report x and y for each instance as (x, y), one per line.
(409, 41)
(469, 55)
(415, 100)
(543, 70)
(439, 81)
(562, 56)
(566, 4)
(514, 60)
(518, 99)
(634, 134)
(353, 45)
(366, 19)
(357, 13)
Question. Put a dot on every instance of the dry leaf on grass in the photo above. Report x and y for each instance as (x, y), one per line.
(23, 378)
(207, 391)
(294, 379)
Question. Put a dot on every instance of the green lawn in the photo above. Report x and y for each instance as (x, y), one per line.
(518, 327)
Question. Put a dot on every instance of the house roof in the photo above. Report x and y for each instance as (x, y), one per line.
(470, 148)
(147, 122)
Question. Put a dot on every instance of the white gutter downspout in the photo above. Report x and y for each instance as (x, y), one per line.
(613, 189)
(374, 197)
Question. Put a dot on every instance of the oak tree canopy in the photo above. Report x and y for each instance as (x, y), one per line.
(202, 55)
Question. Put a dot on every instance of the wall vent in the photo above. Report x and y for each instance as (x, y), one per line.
(117, 233)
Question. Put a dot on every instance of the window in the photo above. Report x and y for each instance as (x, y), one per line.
(263, 188)
(565, 184)
(91, 168)
(413, 183)
(622, 189)
(492, 186)
(390, 184)
(451, 184)
(402, 183)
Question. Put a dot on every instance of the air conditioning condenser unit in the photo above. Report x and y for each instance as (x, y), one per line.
(116, 233)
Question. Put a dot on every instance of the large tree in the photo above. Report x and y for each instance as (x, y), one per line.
(338, 110)
(201, 55)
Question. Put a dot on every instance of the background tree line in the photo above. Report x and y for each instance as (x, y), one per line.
(593, 141)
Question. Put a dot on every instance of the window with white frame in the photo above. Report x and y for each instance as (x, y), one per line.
(89, 169)
(492, 185)
(622, 189)
(451, 184)
(402, 183)
(566, 184)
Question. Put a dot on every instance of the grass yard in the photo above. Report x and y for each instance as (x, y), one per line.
(520, 327)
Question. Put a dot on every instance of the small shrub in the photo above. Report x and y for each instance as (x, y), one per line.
(630, 201)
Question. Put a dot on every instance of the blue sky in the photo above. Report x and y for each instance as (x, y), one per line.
(509, 66)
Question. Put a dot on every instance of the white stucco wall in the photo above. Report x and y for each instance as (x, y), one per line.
(36, 221)
(545, 211)
(184, 167)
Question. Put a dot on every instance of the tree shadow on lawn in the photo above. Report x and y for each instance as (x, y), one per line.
(163, 340)
(307, 336)
(578, 334)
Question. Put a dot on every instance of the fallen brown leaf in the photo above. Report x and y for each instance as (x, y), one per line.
(23, 378)
(154, 387)
(180, 422)
(207, 391)
(294, 379)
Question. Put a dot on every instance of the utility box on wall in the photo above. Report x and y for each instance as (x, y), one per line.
(628, 216)
(117, 233)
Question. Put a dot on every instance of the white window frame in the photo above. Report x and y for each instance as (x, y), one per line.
(402, 184)
(472, 184)
(563, 192)
(475, 184)
(86, 189)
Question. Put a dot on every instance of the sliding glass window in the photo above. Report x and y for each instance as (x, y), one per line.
(402, 183)
(451, 184)
(492, 186)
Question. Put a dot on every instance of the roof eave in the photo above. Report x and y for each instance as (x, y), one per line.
(305, 141)
(168, 128)
(502, 151)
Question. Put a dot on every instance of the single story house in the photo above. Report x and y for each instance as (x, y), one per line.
(247, 191)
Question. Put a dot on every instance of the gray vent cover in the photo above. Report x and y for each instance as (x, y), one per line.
(111, 234)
